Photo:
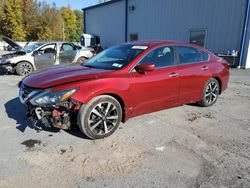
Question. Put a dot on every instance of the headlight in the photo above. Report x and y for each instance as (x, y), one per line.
(52, 98)
(5, 61)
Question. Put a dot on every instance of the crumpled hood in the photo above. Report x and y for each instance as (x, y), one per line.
(57, 75)
(11, 55)
(12, 43)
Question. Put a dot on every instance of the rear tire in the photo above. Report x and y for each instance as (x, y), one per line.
(24, 68)
(81, 60)
(210, 93)
(100, 117)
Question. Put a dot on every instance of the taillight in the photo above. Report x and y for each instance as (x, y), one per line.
(225, 63)
(93, 52)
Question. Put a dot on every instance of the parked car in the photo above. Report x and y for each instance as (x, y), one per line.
(12, 46)
(42, 54)
(122, 82)
(92, 41)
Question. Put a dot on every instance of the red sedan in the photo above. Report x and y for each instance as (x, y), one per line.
(122, 82)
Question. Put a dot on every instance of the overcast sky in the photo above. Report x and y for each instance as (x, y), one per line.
(75, 4)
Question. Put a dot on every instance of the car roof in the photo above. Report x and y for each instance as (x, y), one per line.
(153, 43)
(58, 42)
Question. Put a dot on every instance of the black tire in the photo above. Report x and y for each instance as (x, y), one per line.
(24, 68)
(81, 60)
(210, 93)
(93, 125)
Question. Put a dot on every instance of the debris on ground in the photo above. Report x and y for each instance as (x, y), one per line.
(160, 148)
(196, 116)
(85, 163)
(63, 151)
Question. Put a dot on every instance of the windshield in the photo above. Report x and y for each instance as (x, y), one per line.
(114, 58)
(32, 47)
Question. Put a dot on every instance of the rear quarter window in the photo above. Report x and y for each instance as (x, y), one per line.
(188, 55)
(205, 56)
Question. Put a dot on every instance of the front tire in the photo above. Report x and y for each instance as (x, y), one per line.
(210, 93)
(24, 68)
(100, 117)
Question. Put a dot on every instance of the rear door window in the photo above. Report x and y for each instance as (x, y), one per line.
(67, 47)
(188, 55)
(160, 57)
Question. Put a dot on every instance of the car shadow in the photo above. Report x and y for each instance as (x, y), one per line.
(3, 71)
(77, 133)
(16, 110)
(194, 105)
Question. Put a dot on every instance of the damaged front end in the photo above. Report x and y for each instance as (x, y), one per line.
(6, 60)
(11, 55)
(51, 108)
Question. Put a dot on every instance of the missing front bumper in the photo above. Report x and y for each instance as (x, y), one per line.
(52, 118)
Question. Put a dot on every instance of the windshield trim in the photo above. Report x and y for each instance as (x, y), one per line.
(127, 60)
(39, 44)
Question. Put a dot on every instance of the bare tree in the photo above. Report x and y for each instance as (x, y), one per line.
(102, 1)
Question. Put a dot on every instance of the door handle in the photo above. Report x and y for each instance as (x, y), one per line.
(204, 68)
(172, 75)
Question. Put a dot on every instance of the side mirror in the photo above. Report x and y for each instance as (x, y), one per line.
(145, 68)
(37, 52)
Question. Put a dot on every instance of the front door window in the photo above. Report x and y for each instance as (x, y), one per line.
(160, 57)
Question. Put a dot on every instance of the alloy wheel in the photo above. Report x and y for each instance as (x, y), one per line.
(25, 68)
(212, 91)
(103, 118)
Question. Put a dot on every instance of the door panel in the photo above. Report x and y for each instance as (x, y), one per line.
(45, 56)
(159, 89)
(44, 60)
(67, 53)
(192, 81)
(154, 91)
(193, 74)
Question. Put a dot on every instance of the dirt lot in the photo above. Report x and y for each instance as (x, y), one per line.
(187, 146)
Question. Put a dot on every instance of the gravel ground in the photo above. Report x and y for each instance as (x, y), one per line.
(186, 146)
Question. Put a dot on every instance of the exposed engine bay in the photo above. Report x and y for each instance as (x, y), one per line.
(5, 60)
(11, 55)
(62, 115)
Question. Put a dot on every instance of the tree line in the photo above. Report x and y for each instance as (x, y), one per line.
(32, 20)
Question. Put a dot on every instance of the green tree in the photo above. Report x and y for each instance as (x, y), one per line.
(70, 24)
(50, 24)
(79, 23)
(35, 20)
(1, 16)
(31, 19)
(45, 34)
(12, 20)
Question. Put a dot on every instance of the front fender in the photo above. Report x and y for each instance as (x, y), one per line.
(101, 87)
(89, 89)
(16, 60)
